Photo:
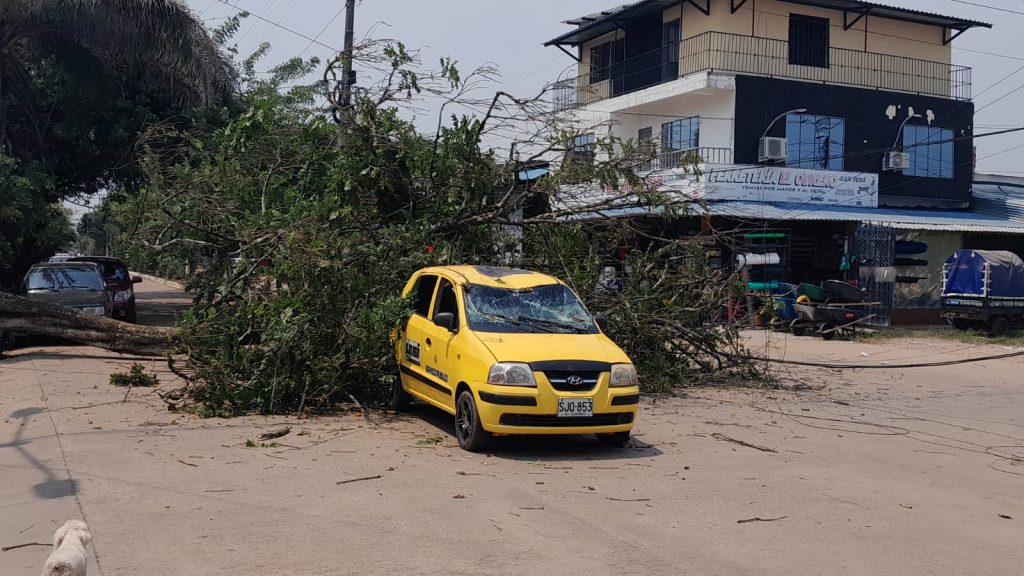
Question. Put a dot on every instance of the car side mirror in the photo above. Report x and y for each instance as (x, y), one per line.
(445, 320)
(136, 279)
(601, 322)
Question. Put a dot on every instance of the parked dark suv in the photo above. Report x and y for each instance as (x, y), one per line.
(119, 285)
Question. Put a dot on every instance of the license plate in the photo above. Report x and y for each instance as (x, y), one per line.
(575, 407)
(94, 310)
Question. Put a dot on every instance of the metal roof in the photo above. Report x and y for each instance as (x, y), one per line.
(894, 13)
(942, 220)
(999, 199)
(600, 23)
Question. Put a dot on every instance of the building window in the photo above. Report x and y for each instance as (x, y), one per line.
(682, 134)
(671, 35)
(645, 134)
(815, 142)
(931, 151)
(583, 149)
(603, 57)
(808, 41)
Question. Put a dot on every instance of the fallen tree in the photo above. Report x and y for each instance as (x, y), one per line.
(19, 314)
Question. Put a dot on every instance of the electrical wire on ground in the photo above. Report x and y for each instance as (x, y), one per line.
(875, 366)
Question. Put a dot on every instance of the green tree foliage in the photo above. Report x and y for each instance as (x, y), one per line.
(300, 247)
(31, 229)
(79, 80)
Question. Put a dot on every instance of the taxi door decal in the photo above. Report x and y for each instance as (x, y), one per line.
(412, 351)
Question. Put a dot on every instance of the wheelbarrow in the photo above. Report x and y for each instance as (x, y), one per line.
(827, 320)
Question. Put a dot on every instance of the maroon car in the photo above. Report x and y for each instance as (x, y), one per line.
(119, 284)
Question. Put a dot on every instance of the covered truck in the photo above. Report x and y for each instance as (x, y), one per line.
(983, 289)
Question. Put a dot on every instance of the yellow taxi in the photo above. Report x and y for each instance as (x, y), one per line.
(509, 351)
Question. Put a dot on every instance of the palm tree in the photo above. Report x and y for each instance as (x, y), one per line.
(157, 46)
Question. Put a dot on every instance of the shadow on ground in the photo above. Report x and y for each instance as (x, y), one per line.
(52, 487)
(553, 448)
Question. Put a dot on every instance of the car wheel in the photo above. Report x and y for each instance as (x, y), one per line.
(398, 398)
(999, 327)
(468, 430)
(616, 439)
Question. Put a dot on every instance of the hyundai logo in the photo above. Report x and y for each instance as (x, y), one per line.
(574, 380)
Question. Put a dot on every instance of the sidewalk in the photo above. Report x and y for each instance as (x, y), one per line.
(38, 490)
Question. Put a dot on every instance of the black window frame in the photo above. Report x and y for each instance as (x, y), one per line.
(584, 148)
(417, 294)
(604, 57)
(809, 40)
(671, 37)
(441, 286)
(600, 62)
(935, 150)
(672, 132)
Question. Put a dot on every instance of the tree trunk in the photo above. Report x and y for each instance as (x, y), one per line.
(19, 314)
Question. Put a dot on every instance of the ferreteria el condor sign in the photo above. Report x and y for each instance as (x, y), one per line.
(774, 184)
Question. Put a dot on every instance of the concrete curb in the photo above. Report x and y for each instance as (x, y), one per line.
(169, 283)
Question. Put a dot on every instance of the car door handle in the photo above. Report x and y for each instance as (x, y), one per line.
(429, 342)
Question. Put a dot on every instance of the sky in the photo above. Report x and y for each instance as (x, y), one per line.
(510, 35)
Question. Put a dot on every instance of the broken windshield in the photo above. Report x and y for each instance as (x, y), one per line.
(541, 309)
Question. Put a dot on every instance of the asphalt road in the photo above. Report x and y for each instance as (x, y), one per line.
(880, 472)
(157, 303)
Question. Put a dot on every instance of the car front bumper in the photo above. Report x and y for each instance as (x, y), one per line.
(519, 410)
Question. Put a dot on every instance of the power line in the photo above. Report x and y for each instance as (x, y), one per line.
(789, 212)
(250, 29)
(989, 7)
(322, 30)
(285, 28)
(279, 20)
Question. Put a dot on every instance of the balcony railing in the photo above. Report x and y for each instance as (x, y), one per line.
(679, 158)
(722, 52)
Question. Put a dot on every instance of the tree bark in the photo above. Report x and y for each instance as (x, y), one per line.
(19, 314)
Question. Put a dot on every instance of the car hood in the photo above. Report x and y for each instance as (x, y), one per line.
(73, 298)
(541, 347)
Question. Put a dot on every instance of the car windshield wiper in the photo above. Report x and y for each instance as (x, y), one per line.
(79, 287)
(553, 324)
(518, 323)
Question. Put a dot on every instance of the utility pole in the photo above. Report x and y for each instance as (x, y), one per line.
(347, 74)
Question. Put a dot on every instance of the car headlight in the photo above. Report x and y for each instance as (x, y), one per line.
(623, 375)
(511, 374)
(122, 296)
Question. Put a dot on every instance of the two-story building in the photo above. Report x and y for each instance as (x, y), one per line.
(843, 126)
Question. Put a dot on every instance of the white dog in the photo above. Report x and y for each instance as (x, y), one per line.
(68, 556)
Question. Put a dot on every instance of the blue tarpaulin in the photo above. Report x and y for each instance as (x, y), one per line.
(965, 274)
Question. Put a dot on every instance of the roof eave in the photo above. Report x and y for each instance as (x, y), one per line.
(891, 13)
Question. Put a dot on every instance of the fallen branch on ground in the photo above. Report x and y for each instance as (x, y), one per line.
(755, 519)
(276, 433)
(725, 438)
(358, 479)
(6, 548)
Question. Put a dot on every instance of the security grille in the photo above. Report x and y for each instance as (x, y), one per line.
(873, 247)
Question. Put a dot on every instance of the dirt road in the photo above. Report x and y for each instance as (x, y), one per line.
(881, 472)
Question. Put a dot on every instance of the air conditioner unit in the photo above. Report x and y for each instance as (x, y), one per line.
(771, 150)
(896, 161)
